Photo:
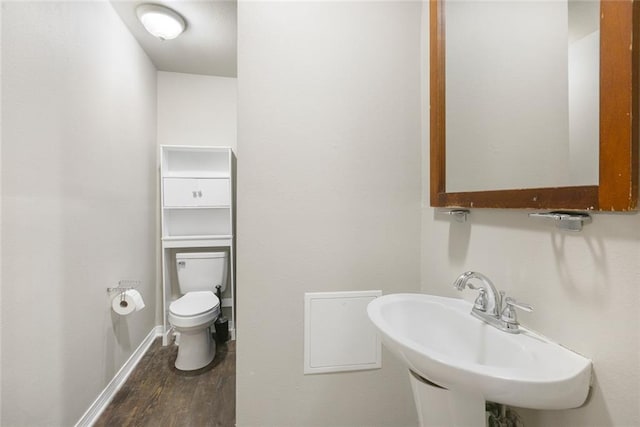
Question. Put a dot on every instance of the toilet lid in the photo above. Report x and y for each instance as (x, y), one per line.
(194, 303)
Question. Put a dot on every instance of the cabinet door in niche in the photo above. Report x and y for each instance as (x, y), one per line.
(192, 192)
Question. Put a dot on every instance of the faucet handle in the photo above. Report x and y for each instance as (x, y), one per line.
(481, 301)
(508, 301)
(509, 316)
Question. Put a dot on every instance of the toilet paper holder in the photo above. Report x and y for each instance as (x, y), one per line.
(124, 286)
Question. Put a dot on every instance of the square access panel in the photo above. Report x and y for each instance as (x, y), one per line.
(338, 335)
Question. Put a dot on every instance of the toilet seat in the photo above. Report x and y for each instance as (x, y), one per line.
(194, 309)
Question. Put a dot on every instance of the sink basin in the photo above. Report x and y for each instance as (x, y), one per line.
(438, 339)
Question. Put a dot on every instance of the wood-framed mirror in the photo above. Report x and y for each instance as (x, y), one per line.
(616, 186)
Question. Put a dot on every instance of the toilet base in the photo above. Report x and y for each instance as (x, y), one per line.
(196, 350)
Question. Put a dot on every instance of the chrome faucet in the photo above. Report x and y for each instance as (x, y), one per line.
(488, 306)
(489, 300)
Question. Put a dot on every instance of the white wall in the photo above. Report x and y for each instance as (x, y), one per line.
(328, 197)
(78, 202)
(584, 287)
(197, 110)
(1, 323)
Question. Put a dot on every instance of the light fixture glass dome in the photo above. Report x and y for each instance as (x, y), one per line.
(160, 21)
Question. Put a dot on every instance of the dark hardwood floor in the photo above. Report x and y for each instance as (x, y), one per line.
(157, 394)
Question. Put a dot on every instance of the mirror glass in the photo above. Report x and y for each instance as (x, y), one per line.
(522, 94)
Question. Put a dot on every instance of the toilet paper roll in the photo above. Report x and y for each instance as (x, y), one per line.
(127, 302)
(136, 297)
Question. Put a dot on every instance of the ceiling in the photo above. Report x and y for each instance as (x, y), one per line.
(208, 45)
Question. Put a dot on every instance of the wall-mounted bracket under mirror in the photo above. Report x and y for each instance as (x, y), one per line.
(460, 215)
(568, 221)
(534, 104)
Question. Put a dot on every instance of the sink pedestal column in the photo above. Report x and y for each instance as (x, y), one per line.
(439, 407)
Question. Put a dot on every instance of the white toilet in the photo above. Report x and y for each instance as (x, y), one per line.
(193, 314)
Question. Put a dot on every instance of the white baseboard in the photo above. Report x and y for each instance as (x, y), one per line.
(100, 404)
(166, 335)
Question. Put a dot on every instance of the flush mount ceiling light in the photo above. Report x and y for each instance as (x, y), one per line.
(162, 22)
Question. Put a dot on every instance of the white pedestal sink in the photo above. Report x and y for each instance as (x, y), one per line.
(469, 362)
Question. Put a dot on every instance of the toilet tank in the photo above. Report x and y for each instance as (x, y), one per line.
(201, 271)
